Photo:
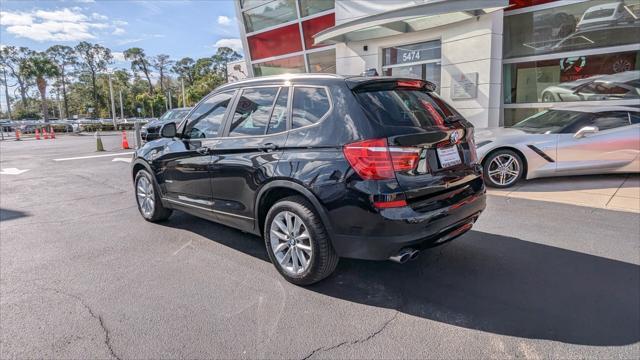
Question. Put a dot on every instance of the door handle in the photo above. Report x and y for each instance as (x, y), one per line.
(203, 150)
(268, 147)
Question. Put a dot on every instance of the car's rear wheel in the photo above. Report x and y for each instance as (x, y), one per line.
(297, 242)
(503, 169)
(148, 198)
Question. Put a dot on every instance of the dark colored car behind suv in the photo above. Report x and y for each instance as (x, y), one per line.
(320, 166)
(151, 131)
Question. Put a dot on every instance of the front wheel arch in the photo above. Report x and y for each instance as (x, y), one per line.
(525, 165)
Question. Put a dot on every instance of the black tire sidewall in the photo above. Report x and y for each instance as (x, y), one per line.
(316, 235)
(159, 212)
(485, 168)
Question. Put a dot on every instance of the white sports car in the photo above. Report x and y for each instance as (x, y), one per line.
(562, 141)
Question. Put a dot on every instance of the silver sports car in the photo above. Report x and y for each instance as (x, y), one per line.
(562, 141)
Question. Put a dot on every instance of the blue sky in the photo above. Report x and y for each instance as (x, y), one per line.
(180, 28)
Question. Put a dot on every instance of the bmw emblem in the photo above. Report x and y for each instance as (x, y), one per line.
(455, 136)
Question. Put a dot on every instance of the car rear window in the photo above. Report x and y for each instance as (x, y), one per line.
(310, 104)
(406, 108)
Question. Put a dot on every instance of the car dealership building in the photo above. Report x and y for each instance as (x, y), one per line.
(495, 61)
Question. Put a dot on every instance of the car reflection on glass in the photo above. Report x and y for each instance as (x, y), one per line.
(599, 36)
(622, 86)
(608, 14)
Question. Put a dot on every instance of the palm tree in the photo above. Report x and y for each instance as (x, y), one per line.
(40, 67)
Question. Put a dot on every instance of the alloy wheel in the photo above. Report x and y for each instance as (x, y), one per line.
(291, 243)
(145, 196)
(504, 169)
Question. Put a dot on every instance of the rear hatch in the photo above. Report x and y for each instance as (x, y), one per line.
(414, 118)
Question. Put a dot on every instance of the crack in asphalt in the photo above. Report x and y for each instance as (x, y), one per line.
(105, 330)
(353, 342)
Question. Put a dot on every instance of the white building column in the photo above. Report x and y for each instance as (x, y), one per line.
(469, 46)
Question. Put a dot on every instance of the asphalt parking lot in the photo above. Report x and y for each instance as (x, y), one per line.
(82, 275)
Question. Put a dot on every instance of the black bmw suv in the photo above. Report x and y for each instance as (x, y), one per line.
(320, 166)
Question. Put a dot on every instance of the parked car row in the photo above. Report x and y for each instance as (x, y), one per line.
(29, 125)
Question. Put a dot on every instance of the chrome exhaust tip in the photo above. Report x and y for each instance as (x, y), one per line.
(414, 254)
(404, 255)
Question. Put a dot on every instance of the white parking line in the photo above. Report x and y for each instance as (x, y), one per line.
(12, 171)
(127, 160)
(92, 156)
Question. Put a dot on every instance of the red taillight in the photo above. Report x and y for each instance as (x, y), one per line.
(472, 149)
(375, 160)
(390, 204)
(416, 84)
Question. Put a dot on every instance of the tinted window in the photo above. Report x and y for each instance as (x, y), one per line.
(270, 14)
(635, 117)
(309, 106)
(252, 112)
(611, 120)
(278, 121)
(207, 117)
(551, 121)
(410, 108)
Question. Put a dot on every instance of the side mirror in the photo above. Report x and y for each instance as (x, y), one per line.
(587, 130)
(168, 130)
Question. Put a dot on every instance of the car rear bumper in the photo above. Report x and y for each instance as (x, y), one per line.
(385, 233)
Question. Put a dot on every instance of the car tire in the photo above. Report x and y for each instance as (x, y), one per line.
(322, 259)
(548, 97)
(505, 175)
(148, 198)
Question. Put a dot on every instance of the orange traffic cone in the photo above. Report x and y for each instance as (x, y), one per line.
(37, 134)
(45, 134)
(17, 134)
(125, 143)
(53, 133)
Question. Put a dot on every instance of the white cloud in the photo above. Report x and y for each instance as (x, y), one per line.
(235, 44)
(100, 17)
(68, 24)
(118, 56)
(224, 20)
(118, 31)
(61, 15)
(9, 18)
(119, 23)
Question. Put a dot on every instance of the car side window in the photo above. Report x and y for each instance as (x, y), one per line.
(252, 113)
(634, 117)
(611, 120)
(278, 121)
(206, 119)
(310, 104)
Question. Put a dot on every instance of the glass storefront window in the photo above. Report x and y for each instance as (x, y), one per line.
(580, 78)
(270, 14)
(310, 7)
(294, 64)
(583, 25)
(514, 116)
(248, 4)
(275, 42)
(322, 61)
(314, 26)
